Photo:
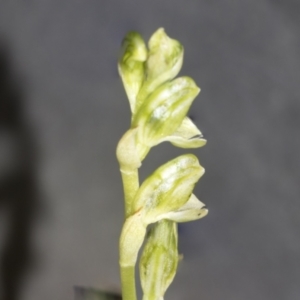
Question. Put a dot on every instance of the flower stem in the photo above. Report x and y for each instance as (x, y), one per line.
(128, 283)
(130, 185)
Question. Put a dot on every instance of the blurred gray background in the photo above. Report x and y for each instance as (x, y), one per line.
(63, 110)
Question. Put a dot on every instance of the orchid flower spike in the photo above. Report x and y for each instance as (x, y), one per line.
(159, 103)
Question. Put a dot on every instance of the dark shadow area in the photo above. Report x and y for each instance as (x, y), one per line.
(18, 190)
(82, 293)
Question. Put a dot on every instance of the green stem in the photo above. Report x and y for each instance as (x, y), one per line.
(128, 283)
(130, 186)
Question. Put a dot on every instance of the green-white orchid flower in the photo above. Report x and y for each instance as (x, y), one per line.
(165, 194)
(159, 260)
(169, 189)
(162, 117)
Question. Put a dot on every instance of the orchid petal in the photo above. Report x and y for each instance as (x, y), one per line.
(186, 136)
(192, 210)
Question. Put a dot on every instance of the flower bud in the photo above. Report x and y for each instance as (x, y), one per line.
(163, 64)
(131, 65)
(168, 188)
(159, 260)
